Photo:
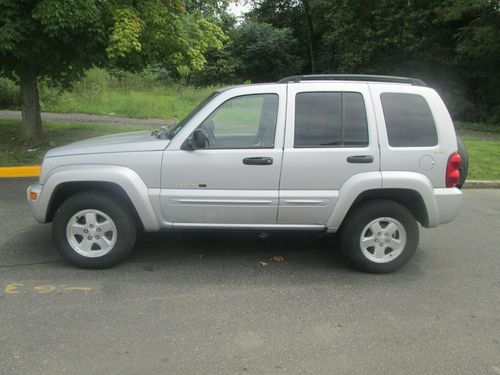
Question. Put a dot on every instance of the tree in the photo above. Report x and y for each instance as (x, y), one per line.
(300, 16)
(265, 53)
(452, 44)
(476, 26)
(59, 39)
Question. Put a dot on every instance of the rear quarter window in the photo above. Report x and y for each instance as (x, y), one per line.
(408, 120)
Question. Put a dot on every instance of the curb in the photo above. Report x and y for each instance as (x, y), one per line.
(34, 171)
(21, 171)
(482, 184)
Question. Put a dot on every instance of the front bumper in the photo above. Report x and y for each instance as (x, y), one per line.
(34, 203)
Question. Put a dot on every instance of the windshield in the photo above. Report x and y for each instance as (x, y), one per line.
(171, 134)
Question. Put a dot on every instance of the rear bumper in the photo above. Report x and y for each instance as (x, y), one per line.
(447, 204)
(34, 203)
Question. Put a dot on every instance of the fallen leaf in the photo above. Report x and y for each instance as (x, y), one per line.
(263, 264)
(278, 258)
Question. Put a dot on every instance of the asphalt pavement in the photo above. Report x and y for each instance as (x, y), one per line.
(217, 303)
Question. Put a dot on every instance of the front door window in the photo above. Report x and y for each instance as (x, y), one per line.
(247, 121)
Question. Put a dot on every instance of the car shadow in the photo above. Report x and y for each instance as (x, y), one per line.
(275, 246)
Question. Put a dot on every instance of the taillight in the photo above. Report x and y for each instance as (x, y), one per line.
(453, 170)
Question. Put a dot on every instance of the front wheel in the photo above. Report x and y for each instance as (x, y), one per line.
(379, 236)
(93, 230)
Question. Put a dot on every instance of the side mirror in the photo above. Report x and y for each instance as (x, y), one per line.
(199, 139)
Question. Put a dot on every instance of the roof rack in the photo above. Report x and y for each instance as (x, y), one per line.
(353, 77)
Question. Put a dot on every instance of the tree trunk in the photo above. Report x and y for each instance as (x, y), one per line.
(310, 32)
(32, 120)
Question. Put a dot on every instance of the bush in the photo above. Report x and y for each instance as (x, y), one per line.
(148, 78)
(94, 82)
(10, 95)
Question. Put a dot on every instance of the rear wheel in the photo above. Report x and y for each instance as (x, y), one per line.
(379, 236)
(93, 230)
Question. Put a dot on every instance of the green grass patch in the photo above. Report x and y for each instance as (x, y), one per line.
(484, 159)
(14, 152)
(478, 131)
(173, 102)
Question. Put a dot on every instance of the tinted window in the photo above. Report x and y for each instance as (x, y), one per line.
(408, 120)
(330, 119)
(243, 122)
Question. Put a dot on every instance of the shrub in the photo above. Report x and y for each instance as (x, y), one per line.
(10, 96)
(93, 83)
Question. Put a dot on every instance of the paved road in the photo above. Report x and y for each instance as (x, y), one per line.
(86, 118)
(201, 303)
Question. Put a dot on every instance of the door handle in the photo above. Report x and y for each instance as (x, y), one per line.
(360, 159)
(259, 160)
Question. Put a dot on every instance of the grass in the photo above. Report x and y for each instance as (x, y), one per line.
(484, 160)
(173, 102)
(13, 152)
(483, 146)
(478, 131)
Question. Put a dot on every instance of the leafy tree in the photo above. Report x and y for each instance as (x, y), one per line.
(265, 53)
(59, 39)
(301, 16)
(451, 44)
(476, 26)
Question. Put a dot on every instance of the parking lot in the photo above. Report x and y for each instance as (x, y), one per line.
(218, 303)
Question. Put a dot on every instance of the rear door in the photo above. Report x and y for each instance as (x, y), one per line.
(330, 136)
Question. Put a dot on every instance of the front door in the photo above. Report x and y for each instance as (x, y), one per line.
(234, 180)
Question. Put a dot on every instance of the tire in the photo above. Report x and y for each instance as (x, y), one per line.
(361, 224)
(464, 165)
(102, 219)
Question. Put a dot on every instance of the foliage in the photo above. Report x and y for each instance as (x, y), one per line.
(265, 53)
(9, 93)
(166, 32)
(127, 94)
(60, 39)
(125, 35)
(451, 44)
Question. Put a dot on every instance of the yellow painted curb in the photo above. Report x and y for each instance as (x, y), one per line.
(21, 171)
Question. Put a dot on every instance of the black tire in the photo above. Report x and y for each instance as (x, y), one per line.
(464, 165)
(124, 222)
(364, 214)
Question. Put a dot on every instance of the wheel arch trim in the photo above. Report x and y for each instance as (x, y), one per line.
(359, 184)
(124, 177)
(350, 190)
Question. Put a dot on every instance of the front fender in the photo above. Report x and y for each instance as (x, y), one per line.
(125, 177)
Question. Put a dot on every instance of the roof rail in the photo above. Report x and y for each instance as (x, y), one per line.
(353, 77)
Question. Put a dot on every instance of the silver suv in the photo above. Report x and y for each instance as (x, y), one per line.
(369, 156)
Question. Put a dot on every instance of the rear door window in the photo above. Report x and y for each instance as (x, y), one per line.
(408, 120)
(330, 119)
